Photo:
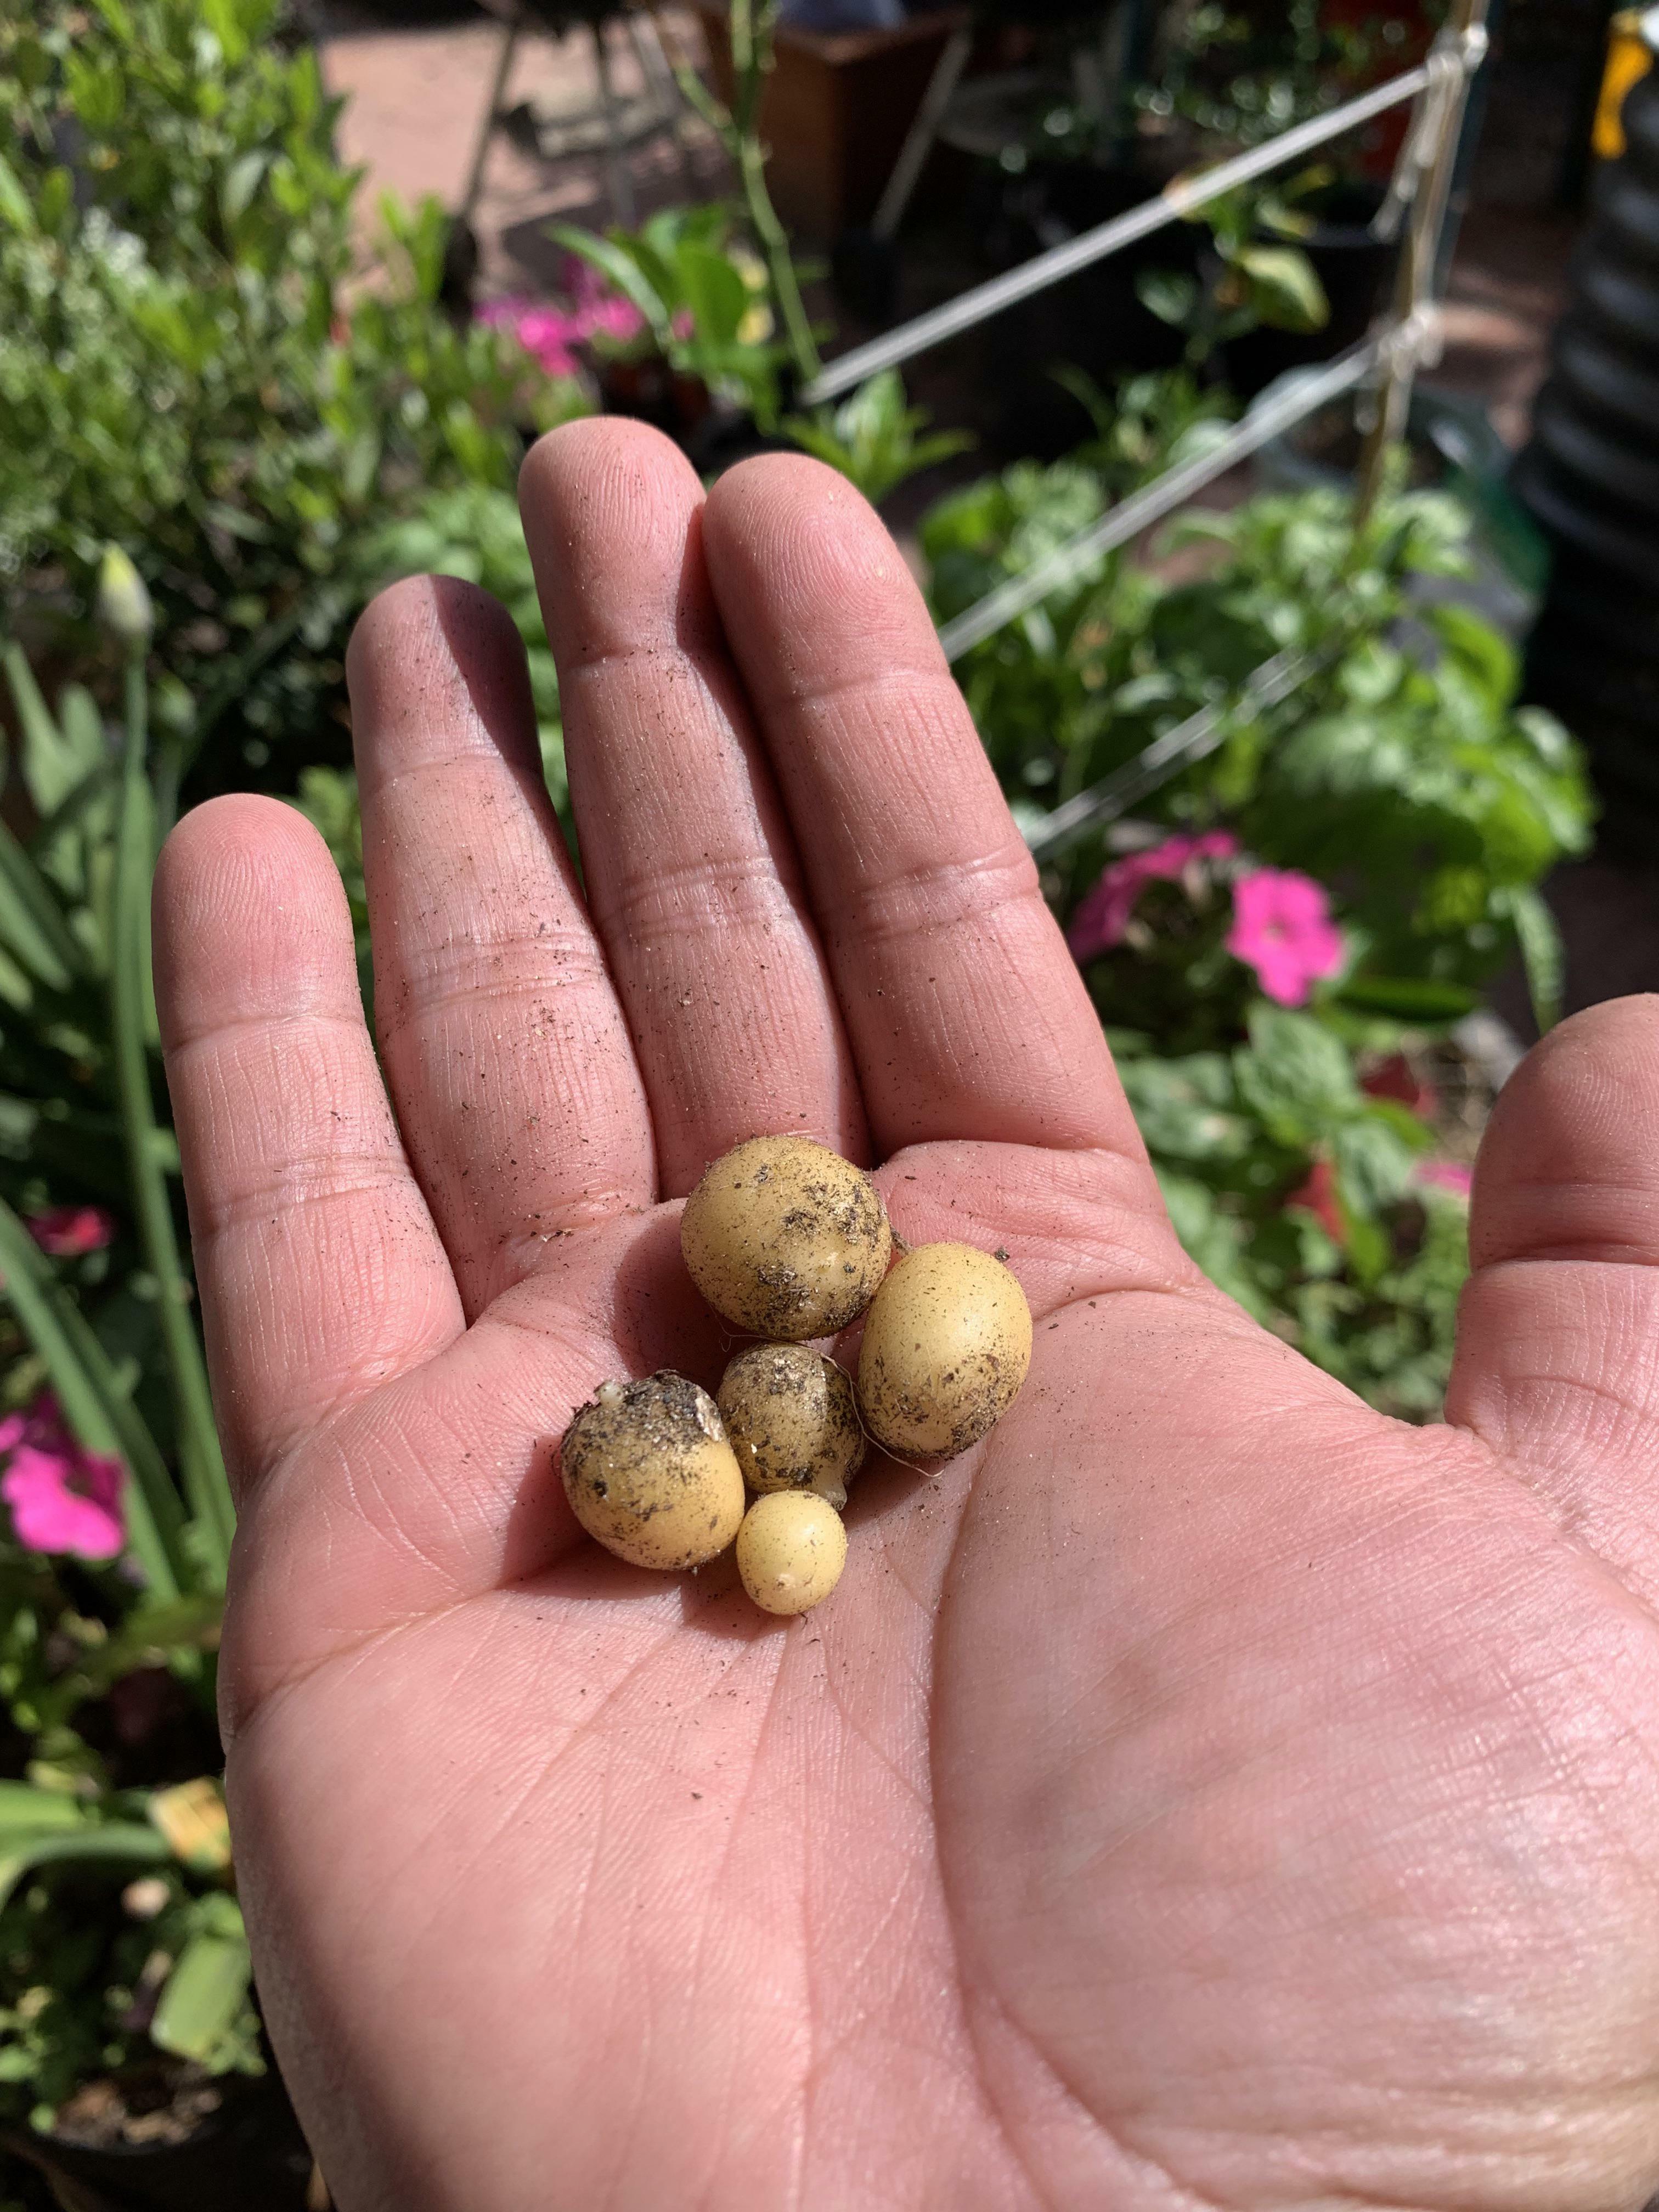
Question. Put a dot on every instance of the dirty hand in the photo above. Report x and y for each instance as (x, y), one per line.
(1208, 1793)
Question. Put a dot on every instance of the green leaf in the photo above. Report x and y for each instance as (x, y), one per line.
(1542, 954)
(25, 1810)
(1171, 295)
(714, 292)
(1285, 288)
(126, 1841)
(15, 208)
(51, 757)
(1373, 1166)
(204, 1994)
(1295, 1074)
(1409, 999)
(32, 924)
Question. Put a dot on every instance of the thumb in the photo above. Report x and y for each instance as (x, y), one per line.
(1557, 1346)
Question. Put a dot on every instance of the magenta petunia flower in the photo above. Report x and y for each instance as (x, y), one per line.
(61, 1496)
(1282, 927)
(1101, 917)
(550, 334)
(1447, 1175)
(67, 1231)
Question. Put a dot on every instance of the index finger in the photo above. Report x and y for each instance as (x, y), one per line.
(967, 1016)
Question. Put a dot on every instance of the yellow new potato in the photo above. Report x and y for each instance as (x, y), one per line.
(791, 1550)
(947, 1346)
(648, 1472)
(785, 1238)
(792, 1420)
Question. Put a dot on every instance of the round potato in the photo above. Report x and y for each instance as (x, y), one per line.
(787, 1239)
(791, 1550)
(792, 1420)
(946, 1348)
(648, 1472)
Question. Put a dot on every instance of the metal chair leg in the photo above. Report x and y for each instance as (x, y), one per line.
(491, 116)
(620, 184)
(659, 75)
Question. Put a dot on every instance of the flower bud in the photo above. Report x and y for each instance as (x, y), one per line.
(123, 606)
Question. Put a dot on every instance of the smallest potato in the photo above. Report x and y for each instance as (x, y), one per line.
(649, 1472)
(792, 1420)
(791, 1550)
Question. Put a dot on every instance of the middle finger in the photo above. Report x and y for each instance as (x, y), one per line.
(692, 876)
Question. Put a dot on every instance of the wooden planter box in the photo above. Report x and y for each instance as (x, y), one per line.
(834, 112)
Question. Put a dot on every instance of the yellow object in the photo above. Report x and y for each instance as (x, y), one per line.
(791, 1550)
(1632, 40)
(192, 1816)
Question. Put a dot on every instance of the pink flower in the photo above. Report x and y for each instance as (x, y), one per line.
(550, 334)
(1447, 1175)
(545, 333)
(1282, 927)
(1103, 915)
(613, 318)
(598, 310)
(67, 1231)
(62, 1497)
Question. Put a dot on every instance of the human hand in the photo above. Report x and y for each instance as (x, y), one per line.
(1206, 1793)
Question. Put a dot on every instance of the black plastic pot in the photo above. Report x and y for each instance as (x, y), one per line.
(249, 2156)
(1590, 475)
(1355, 267)
(1095, 321)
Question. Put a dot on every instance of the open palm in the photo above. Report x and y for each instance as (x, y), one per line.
(1206, 1794)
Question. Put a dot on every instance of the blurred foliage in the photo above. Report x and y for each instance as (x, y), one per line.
(194, 357)
(1398, 774)
(875, 438)
(701, 297)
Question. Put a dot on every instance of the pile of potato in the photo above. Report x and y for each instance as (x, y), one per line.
(789, 1241)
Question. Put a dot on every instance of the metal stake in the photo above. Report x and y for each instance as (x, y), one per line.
(1457, 52)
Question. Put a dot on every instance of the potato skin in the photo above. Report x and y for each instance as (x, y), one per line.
(792, 1420)
(786, 1239)
(791, 1550)
(946, 1347)
(649, 1472)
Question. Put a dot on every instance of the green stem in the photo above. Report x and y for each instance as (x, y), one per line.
(100, 1415)
(205, 1486)
(751, 167)
(737, 129)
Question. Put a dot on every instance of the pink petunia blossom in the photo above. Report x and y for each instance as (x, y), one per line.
(62, 1497)
(1446, 1175)
(550, 334)
(547, 334)
(1103, 915)
(1282, 927)
(66, 1231)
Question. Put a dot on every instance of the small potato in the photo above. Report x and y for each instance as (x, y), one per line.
(648, 1472)
(785, 1238)
(791, 1550)
(792, 1420)
(946, 1348)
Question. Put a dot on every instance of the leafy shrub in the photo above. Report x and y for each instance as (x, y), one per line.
(121, 1944)
(1399, 770)
(1397, 784)
(875, 438)
(190, 354)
